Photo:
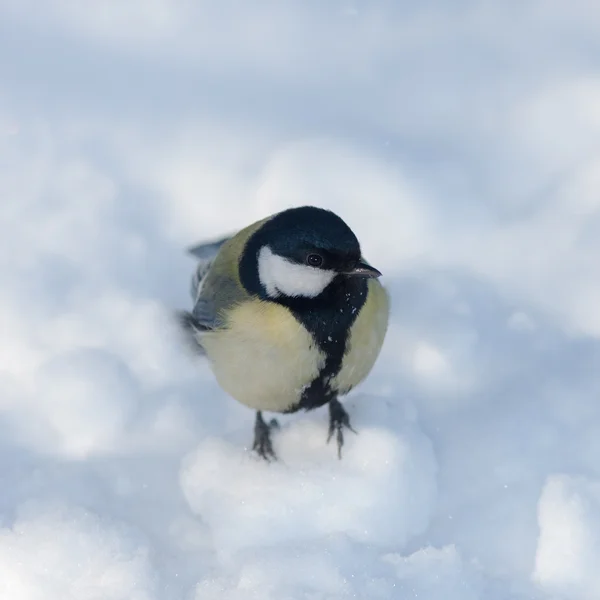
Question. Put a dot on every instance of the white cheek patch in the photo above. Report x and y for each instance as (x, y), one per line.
(284, 278)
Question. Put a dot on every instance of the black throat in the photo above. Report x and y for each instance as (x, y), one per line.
(328, 318)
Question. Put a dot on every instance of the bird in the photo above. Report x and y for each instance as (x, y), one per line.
(290, 316)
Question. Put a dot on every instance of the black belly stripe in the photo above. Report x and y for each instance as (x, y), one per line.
(328, 319)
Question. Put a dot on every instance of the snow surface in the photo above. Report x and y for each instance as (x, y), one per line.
(460, 140)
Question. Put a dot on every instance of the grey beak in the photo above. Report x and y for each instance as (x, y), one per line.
(363, 270)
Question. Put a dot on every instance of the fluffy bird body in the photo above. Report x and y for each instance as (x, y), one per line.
(283, 333)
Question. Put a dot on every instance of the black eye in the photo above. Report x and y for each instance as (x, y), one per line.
(314, 260)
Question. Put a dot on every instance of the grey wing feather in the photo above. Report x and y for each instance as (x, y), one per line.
(213, 292)
(203, 316)
(205, 253)
(199, 321)
(216, 294)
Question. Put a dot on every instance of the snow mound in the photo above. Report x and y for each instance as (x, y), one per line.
(60, 554)
(433, 573)
(568, 552)
(345, 569)
(84, 399)
(382, 491)
(459, 141)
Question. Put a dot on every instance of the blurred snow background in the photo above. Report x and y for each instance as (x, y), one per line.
(461, 141)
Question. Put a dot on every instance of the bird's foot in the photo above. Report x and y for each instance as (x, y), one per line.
(338, 420)
(262, 438)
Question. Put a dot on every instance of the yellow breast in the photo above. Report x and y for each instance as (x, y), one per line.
(264, 357)
(365, 339)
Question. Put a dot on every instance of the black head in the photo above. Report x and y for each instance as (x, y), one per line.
(300, 252)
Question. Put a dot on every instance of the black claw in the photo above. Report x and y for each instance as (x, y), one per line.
(262, 438)
(338, 420)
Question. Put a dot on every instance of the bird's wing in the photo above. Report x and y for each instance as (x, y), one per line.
(205, 315)
(201, 320)
(206, 253)
(216, 286)
(217, 294)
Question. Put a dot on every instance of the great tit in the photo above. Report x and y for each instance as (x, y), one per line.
(289, 315)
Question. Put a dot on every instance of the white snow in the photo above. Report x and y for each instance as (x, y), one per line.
(459, 141)
(383, 492)
(59, 552)
(568, 552)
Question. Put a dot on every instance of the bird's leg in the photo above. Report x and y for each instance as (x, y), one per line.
(262, 438)
(338, 420)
